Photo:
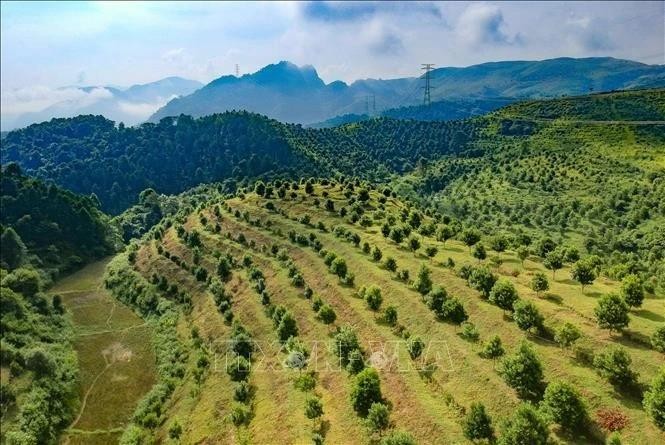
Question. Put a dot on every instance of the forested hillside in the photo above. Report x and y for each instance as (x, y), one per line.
(45, 231)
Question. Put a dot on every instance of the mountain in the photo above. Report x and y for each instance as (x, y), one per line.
(289, 93)
(131, 106)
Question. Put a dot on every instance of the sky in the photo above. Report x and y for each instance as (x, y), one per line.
(49, 45)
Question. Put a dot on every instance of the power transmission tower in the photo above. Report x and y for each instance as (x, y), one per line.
(237, 70)
(427, 99)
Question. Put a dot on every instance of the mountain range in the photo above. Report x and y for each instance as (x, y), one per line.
(293, 94)
(131, 105)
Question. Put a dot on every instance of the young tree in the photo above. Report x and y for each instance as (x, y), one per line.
(566, 335)
(562, 404)
(454, 311)
(554, 261)
(415, 346)
(363, 195)
(658, 339)
(373, 297)
(479, 252)
(493, 348)
(313, 408)
(423, 282)
(526, 426)
(398, 437)
(366, 391)
(632, 290)
(327, 314)
(377, 254)
(527, 317)
(613, 363)
(470, 237)
(224, 269)
(414, 243)
(523, 372)
(339, 267)
(654, 399)
(391, 264)
(436, 298)
(431, 251)
(522, 254)
(444, 233)
(13, 252)
(287, 327)
(397, 235)
(345, 342)
(539, 283)
(503, 294)
(260, 188)
(378, 417)
(238, 368)
(584, 272)
(309, 188)
(477, 424)
(612, 313)
(482, 280)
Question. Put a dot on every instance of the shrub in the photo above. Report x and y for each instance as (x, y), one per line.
(415, 345)
(403, 275)
(526, 426)
(613, 363)
(366, 391)
(378, 417)
(654, 399)
(562, 404)
(523, 372)
(313, 407)
(477, 424)
(431, 251)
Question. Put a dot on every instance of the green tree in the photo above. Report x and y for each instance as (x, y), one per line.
(287, 327)
(363, 195)
(327, 314)
(453, 311)
(632, 290)
(344, 342)
(376, 254)
(584, 272)
(397, 235)
(13, 252)
(539, 283)
(313, 407)
(554, 261)
(366, 391)
(444, 233)
(566, 335)
(24, 281)
(613, 363)
(391, 264)
(260, 188)
(398, 438)
(309, 188)
(414, 243)
(503, 294)
(612, 313)
(523, 372)
(477, 425)
(479, 252)
(522, 254)
(390, 315)
(470, 236)
(224, 269)
(493, 348)
(415, 345)
(373, 297)
(482, 280)
(423, 282)
(654, 399)
(378, 417)
(238, 368)
(525, 427)
(658, 339)
(339, 267)
(527, 317)
(562, 404)
(431, 251)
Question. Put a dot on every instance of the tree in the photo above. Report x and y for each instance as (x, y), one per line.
(391, 264)
(584, 272)
(493, 348)
(327, 314)
(24, 281)
(373, 297)
(345, 341)
(454, 311)
(526, 426)
(313, 407)
(378, 417)
(339, 267)
(503, 294)
(423, 282)
(356, 362)
(632, 290)
(398, 438)
(287, 327)
(436, 298)
(482, 280)
(539, 283)
(390, 315)
(479, 252)
(415, 345)
(397, 235)
(330, 205)
(527, 316)
(612, 313)
(522, 254)
(13, 252)
(523, 372)
(224, 269)
(309, 188)
(554, 261)
(363, 195)
(377, 254)
(414, 243)
(499, 243)
(658, 339)
(444, 234)
(366, 391)
(613, 363)
(431, 251)
(566, 335)
(260, 188)
(477, 424)
(238, 368)
(562, 404)
(654, 399)
(470, 236)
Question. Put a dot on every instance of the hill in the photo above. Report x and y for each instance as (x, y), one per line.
(131, 105)
(283, 296)
(289, 93)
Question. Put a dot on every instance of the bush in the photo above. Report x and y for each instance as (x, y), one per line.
(390, 315)
(523, 372)
(469, 332)
(373, 297)
(526, 426)
(613, 363)
(658, 339)
(562, 404)
(327, 314)
(378, 417)
(477, 424)
(238, 368)
(654, 399)
(415, 345)
(313, 407)
(398, 438)
(366, 391)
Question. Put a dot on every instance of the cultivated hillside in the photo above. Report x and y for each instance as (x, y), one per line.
(329, 311)
(289, 93)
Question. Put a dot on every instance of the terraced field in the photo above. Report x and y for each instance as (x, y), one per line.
(278, 250)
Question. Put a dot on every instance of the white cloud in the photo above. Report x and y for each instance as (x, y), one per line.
(38, 98)
(481, 24)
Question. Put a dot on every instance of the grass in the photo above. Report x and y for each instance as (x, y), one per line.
(114, 353)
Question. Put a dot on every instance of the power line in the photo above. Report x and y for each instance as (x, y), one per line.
(428, 67)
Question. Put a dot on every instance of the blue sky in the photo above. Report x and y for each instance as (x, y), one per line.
(45, 45)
